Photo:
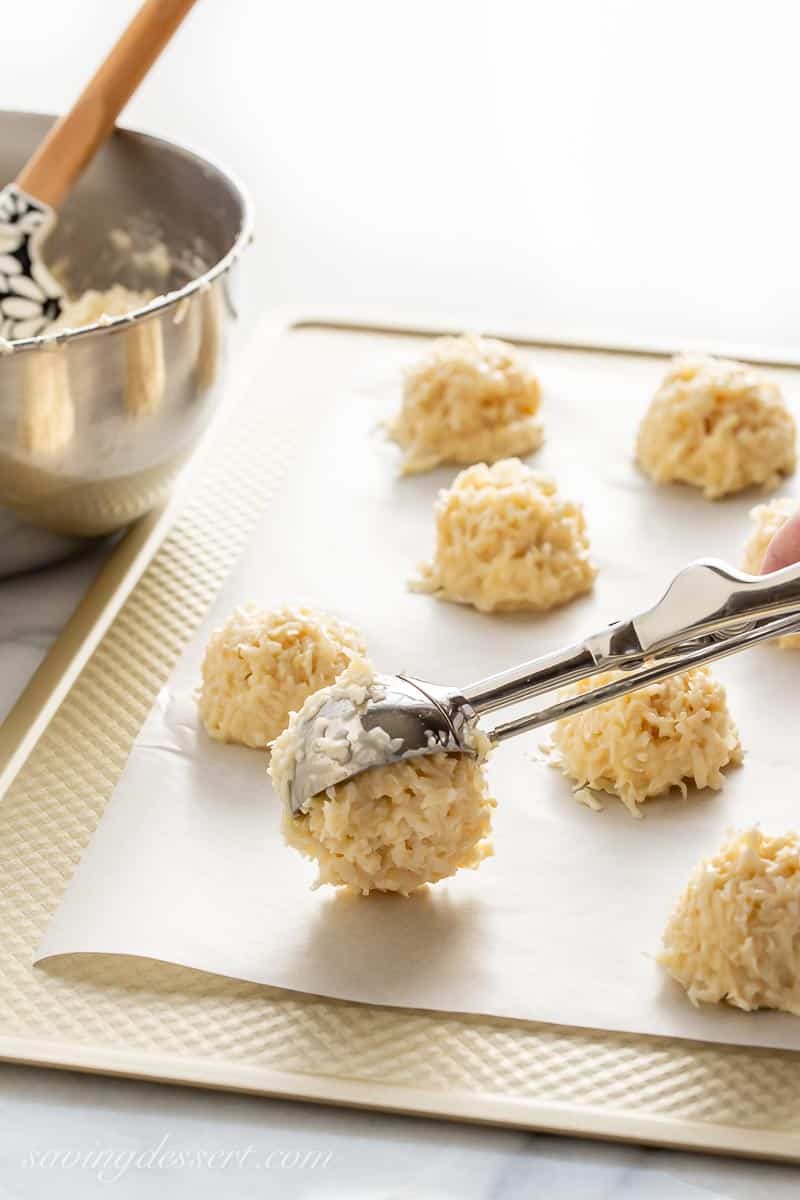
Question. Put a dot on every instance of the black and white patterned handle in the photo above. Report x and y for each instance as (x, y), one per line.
(30, 298)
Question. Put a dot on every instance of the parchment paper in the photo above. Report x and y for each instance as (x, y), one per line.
(563, 923)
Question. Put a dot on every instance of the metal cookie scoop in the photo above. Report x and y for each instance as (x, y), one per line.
(708, 611)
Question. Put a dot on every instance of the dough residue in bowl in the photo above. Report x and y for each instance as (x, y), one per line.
(46, 424)
(47, 421)
(147, 255)
(506, 540)
(96, 305)
(471, 399)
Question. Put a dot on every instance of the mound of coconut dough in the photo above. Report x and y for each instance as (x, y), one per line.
(261, 665)
(662, 736)
(735, 933)
(718, 425)
(389, 828)
(506, 540)
(767, 520)
(471, 399)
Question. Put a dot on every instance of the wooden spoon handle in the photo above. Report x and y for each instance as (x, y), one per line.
(75, 137)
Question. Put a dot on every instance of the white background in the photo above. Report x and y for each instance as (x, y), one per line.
(602, 163)
(617, 166)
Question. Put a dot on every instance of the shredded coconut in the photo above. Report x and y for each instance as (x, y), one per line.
(645, 743)
(471, 399)
(395, 828)
(262, 665)
(506, 540)
(768, 519)
(718, 425)
(389, 828)
(341, 743)
(735, 933)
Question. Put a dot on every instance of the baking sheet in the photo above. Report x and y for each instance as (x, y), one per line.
(187, 865)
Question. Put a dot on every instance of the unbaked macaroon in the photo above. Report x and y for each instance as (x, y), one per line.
(718, 425)
(663, 736)
(471, 399)
(262, 664)
(506, 540)
(735, 933)
(767, 520)
(389, 828)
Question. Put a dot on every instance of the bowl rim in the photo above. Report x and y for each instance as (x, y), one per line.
(167, 300)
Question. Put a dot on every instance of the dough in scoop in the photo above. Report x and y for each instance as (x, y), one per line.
(389, 828)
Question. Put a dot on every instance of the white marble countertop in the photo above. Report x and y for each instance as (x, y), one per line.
(119, 1128)
(591, 164)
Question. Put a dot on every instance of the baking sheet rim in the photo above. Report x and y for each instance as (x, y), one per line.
(563, 1119)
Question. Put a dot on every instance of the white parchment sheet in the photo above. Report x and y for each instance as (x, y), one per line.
(563, 922)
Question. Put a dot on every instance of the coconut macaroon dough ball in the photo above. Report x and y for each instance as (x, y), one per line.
(735, 933)
(262, 664)
(506, 540)
(389, 828)
(470, 399)
(720, 426)
(662, 736)
(767, 520)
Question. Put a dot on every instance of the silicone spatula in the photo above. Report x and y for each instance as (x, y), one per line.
(30, 298)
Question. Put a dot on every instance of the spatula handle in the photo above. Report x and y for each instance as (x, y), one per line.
(75, 137)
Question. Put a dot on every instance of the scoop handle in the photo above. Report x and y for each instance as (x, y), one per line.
(709, 610)
(75, 138)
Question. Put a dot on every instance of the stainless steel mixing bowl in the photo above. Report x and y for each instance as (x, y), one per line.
(96, 423)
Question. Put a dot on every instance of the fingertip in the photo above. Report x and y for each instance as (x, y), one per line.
(784, 549)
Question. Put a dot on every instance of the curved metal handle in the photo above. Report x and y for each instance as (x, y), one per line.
(708, 596)
(708, 611)
(659, 668)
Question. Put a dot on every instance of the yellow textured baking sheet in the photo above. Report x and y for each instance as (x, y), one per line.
(153, 1020)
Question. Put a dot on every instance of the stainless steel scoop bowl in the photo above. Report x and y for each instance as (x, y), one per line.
(411, 718)
(708, 611)
(96, 424)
